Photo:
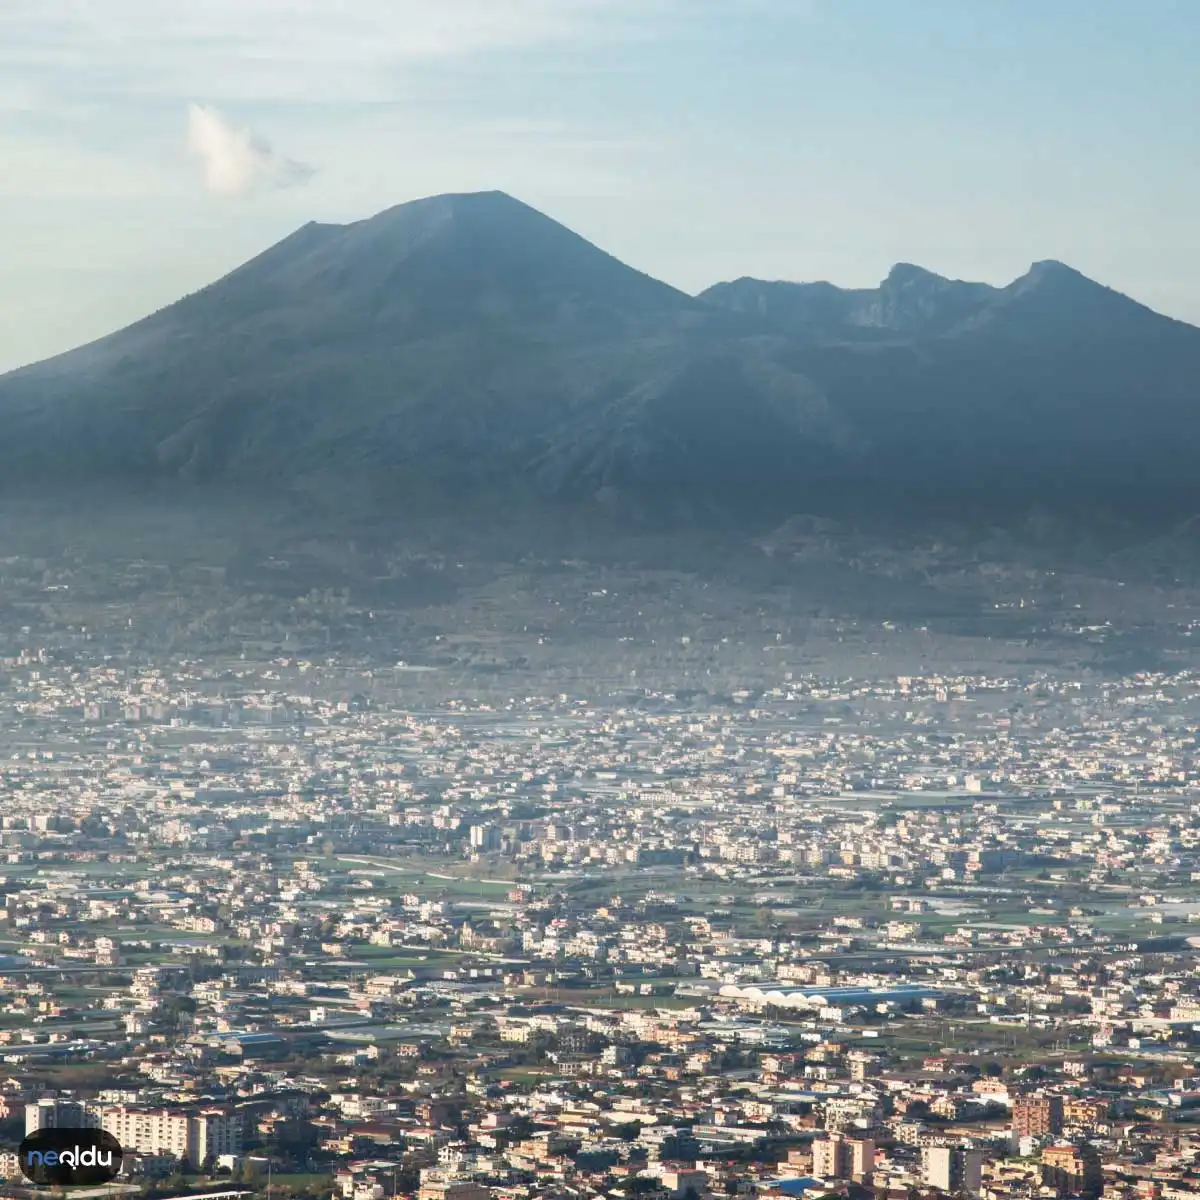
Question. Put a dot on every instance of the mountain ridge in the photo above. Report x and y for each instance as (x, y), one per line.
(468, 343)
(881, 308)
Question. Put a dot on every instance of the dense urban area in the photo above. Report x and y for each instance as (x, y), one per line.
(308, 896)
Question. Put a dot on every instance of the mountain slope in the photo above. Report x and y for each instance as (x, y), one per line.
(472, 346)
(440, 342)
(1052, 390)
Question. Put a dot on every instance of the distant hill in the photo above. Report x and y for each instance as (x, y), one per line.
(469, 345)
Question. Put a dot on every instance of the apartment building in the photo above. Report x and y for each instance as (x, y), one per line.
(952, 1168)
(59, 1114)
(1072, 1169)
(841, 1157)
(195, 1136)
(1037, 1116)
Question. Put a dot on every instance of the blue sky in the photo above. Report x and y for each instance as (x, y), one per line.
(148, 146)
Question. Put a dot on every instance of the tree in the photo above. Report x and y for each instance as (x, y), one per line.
(177, 1011)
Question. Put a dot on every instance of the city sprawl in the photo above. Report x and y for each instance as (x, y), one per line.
(295, 910)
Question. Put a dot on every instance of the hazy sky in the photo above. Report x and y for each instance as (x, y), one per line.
(148, 146)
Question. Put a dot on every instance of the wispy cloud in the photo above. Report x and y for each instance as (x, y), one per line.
(16, 97)
(245, 51)
(234, 160)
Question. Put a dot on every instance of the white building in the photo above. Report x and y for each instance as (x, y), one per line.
(952, 1168)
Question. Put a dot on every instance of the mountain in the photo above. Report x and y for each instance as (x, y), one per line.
(1053, 390)
(452, 342)
(909, 301)
(913, 303)
(469, 346)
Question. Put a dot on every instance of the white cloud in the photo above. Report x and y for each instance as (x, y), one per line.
(234, 160)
